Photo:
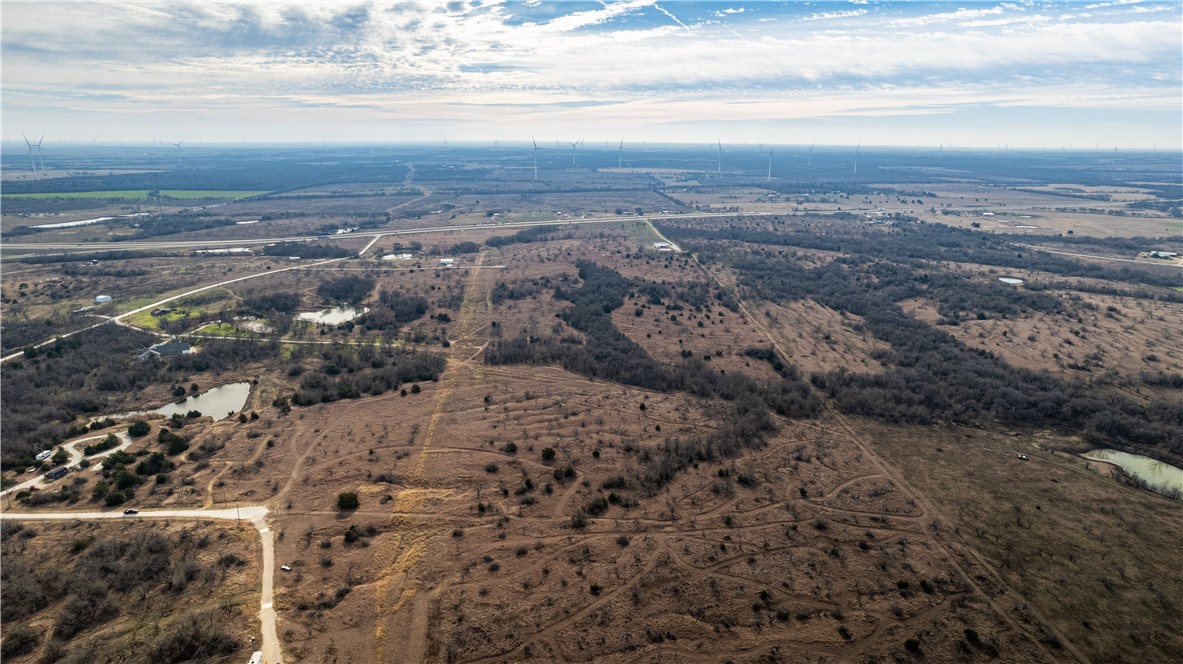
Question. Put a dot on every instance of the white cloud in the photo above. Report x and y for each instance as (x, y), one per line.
(826, 16)
(1113, 3)
(946, 17)
(402, 60)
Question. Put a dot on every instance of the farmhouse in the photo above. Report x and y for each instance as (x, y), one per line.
(169, 349)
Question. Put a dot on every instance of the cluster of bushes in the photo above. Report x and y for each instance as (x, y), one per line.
(350, 289)
(520, 290)
(306, 250)
(467, 247)
(350, 373)
(532, 234)
(265, 302)
(397, 310)
(171, 224)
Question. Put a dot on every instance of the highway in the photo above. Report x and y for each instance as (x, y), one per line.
(255, 514)
(375, 236)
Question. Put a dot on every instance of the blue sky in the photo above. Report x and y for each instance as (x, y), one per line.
(1034, 73)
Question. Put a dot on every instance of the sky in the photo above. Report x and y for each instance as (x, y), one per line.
(1079, 74)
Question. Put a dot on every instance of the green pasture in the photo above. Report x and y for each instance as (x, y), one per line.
(142, 194)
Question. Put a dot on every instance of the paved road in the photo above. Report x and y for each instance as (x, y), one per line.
(374, 236)
(1099, 258)
(256, 514)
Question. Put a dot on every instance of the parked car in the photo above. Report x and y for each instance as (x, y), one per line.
(286, 568)
(131, 511)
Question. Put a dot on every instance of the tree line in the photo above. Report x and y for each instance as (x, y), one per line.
(933, 377)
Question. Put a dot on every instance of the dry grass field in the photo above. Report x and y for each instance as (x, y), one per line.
(1100, 561)
(508, 513)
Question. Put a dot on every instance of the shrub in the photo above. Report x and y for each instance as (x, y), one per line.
(191, 637)
(19, 640)
(139, 428)
(548, 454)
(347, 501)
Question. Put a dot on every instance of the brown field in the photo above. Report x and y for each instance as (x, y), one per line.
(1095, 335)
(838, 540)
(1099, 560)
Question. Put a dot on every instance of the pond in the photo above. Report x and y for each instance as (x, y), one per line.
(1151, 471)
(218, 403)
(332, 316)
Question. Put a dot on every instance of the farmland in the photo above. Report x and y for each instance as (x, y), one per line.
(143, 194)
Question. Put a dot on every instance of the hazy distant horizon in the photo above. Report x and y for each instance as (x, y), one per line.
(548, 145)
(1080, 75)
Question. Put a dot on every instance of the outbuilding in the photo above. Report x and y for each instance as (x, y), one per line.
(102, 299)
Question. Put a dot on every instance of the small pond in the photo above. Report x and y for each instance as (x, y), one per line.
(332, 316)
(218, 403)
(1154, 472)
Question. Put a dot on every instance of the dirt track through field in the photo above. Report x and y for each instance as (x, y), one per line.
(395, 589)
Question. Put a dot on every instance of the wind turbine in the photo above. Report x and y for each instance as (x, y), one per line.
(770, 151)
(32, 159)
(574, 144)
(856, 156)
(41, 153)
(535, 156)
(620, 154)
(810, 156)
(719, 167)
(178, 144)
